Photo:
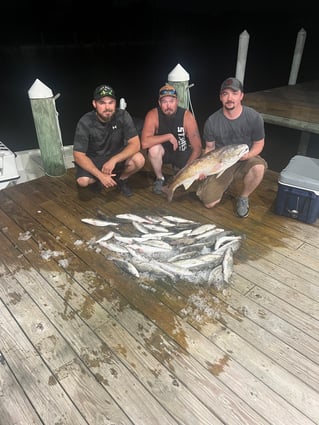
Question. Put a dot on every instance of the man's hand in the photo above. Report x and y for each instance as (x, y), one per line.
(202, 177)
(244, 157)
(173, 141)
(109, 166)
(107, 180)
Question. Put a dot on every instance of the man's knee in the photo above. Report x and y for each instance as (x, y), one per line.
(139, 160)
(156, 151)
(257, 170)
(82, 181)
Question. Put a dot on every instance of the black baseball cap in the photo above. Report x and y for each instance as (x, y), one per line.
(102, 91)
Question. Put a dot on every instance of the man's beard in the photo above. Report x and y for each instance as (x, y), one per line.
(229, 108)
(169, 113)
(106, 118)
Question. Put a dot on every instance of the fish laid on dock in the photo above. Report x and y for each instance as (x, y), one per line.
(98, 222)
(152, 249)
(214, 162)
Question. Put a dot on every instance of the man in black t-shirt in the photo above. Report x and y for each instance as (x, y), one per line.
(106, 147)
(170, 135)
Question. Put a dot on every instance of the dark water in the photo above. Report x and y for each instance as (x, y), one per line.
(137, 68)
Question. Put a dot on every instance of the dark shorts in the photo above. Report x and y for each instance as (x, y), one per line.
(213, 187)
(177, 159)
(98, 162)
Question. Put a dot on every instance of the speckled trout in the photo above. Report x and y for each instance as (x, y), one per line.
(214, 162)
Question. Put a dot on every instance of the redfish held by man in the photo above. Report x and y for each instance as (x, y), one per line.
(213, 162)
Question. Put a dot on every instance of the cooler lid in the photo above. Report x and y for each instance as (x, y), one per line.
(302, 171)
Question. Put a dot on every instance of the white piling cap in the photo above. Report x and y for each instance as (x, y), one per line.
(123, 103)
(178, 74)
(38, 90)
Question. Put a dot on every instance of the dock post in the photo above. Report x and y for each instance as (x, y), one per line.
(47, 129)
(179, 78)
(242, 55)
(300, 42)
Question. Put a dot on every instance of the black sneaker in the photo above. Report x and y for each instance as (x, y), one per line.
(158, 184)
(123, 187)
(96, 187)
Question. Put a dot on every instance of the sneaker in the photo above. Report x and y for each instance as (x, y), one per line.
(158, 184)
(242, 207)
(123, 187)
(96, 187)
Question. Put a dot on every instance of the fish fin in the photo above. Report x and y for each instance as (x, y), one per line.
(220, 173)
(170, 194)
(187, 183)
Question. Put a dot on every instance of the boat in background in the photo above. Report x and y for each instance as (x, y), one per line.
(26, 165)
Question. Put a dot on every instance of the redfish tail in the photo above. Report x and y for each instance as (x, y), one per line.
(168, 192)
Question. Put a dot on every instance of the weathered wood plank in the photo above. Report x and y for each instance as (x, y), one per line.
(80, 385)
(109, 372)
(15, 407)
(185, 349)
(50, 401)
(282, 291)
(243, 412)
(56, 213)
(297, 103)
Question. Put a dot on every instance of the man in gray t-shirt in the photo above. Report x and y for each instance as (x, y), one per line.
(234, 124)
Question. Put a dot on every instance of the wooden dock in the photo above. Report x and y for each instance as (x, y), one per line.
(293, 106)
(82, 342)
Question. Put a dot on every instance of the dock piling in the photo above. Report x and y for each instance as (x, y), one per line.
(47, 128)
(300, 42)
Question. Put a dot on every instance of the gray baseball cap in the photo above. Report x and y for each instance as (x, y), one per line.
(231, 83)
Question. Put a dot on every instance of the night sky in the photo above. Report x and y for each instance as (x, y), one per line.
(61, 21)
(133, 44)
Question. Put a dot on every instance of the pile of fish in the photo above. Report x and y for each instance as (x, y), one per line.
(168, 248)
